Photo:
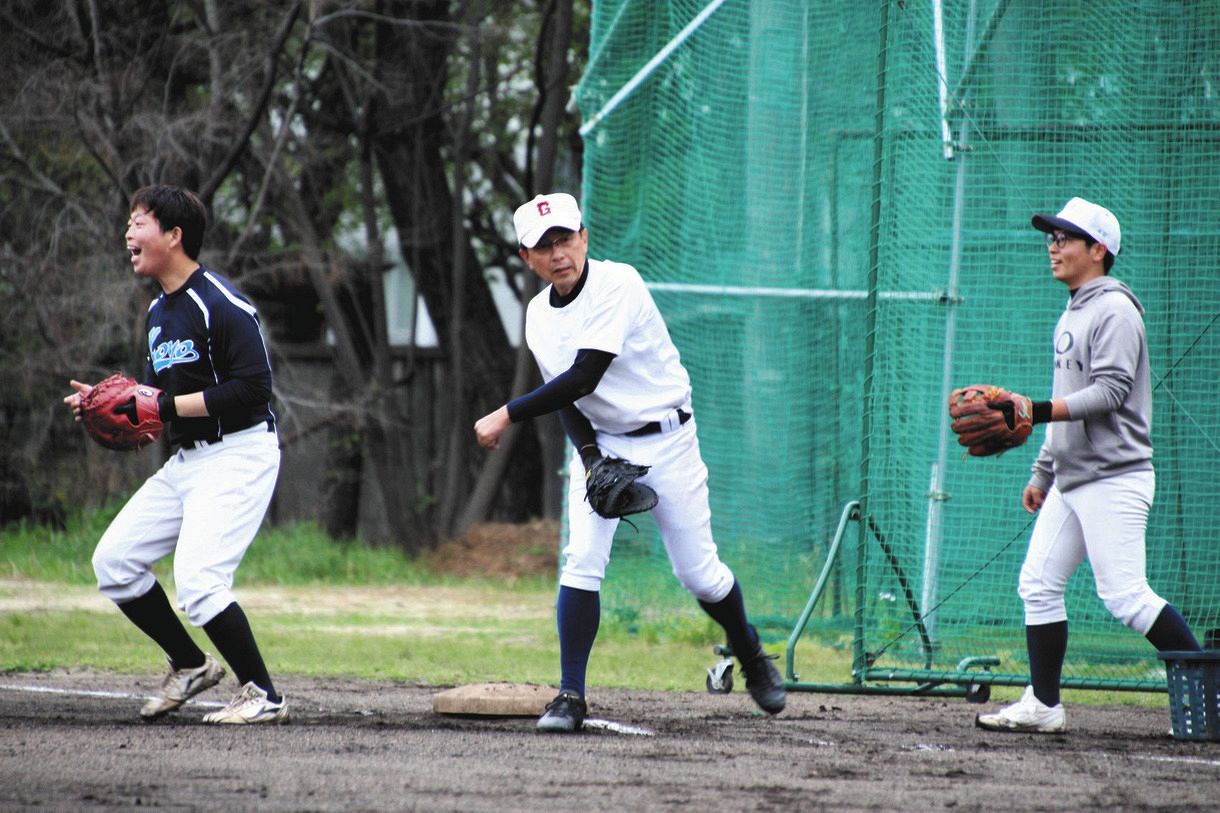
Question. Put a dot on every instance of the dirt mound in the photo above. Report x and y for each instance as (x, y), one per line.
(500, 550)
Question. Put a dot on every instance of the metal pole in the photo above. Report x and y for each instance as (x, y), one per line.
(859, 663)
(942, 84)
(646, 71)
(934, 532)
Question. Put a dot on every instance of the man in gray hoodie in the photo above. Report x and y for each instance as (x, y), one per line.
(1092, 483)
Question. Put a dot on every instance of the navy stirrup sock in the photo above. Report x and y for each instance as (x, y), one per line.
(730, 613)
(1047, 644)
(578, 616)
(1171, 633)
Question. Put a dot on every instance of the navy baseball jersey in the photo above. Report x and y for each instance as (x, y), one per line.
(205, 336)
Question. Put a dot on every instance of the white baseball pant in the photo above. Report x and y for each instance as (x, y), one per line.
(683, 517)
(204, 505)
(1105, 521)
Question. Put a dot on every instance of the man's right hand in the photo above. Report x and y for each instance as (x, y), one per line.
(1032, 499)
(491, 426)
(73, 400)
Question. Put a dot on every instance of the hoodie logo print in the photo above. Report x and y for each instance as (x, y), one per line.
(1063, 343)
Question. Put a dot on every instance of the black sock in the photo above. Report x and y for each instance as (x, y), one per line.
(230, 632)
(730, 613)
(155, 617)
(578, 616)
(1170, 633)
(1047, 644)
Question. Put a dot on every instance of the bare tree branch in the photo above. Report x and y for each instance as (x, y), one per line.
(208, 190)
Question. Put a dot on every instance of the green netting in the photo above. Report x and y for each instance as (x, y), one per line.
(803, 182)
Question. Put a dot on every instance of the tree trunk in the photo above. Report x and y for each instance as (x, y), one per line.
(553, 42)
(341, 468)
(409, 142)
(551, 439)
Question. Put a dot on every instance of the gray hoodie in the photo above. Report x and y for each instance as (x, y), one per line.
(1101, 372)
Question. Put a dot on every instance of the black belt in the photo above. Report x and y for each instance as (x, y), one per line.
(655, 426)
(191, 443)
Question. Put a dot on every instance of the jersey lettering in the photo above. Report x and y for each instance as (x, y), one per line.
(169, 353)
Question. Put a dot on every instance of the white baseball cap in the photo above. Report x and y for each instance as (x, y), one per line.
(556, 210)
(1081, 216)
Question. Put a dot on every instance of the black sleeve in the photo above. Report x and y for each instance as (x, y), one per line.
(578, 429)
(240, 361)
(572, 384)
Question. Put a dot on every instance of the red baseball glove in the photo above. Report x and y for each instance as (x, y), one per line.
(120, 413)
(990, 420)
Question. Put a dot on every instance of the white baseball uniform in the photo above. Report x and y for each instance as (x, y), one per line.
(646, 383)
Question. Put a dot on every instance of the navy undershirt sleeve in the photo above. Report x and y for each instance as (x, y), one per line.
(572, 384)
(578, 429)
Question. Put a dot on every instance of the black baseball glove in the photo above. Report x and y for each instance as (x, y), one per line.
(612, 490)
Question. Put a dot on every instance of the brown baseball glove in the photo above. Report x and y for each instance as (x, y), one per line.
(120, 413)
(990, 420)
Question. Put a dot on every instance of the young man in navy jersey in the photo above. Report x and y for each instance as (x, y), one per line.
(205, 504)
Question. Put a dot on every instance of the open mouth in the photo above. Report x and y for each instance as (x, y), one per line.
(134, 251)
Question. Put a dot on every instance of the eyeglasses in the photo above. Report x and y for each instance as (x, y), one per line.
(1060, 238)
(560, 240)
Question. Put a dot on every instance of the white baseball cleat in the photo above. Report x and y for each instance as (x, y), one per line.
(180, 685)
(250, 706)
(1027, 714)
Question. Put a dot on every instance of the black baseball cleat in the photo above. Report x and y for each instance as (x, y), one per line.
(564, 714)
(764, 682)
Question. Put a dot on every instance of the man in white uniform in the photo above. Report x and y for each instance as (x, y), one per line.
(1092, 483)
(614, 375)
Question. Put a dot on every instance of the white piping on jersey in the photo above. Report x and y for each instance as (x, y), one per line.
(207, 316)
(246, 306)
(207, 324)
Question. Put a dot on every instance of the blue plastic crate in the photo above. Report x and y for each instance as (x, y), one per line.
(1194, 693)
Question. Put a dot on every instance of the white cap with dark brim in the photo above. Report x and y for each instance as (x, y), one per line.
(1080, 216)
(543, 213)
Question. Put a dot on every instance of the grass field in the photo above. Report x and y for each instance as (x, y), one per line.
(321, 607)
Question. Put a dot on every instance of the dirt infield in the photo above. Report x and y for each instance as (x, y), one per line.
(74, 741)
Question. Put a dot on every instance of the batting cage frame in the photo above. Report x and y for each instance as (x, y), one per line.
(831, 205)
